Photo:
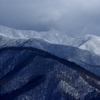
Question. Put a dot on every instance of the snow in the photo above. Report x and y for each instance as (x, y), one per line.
(53, 36)
(59, 77)
(56, 43)
(83, 58)
(88, 42)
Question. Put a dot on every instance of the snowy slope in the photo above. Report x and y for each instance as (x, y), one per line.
(32, 68)
(67, 52)
(53, 36)
(88, 42)
(33, 74)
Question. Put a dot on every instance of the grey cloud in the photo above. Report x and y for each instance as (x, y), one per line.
(74, 17)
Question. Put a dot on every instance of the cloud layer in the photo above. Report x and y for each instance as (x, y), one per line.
(74, 17)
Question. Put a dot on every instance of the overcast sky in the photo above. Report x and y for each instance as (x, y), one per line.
(74, 17)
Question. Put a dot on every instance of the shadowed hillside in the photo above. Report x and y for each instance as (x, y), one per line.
(35, 74)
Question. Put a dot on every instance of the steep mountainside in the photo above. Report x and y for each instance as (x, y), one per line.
(89, 42)
(36, 66)
(32, 74)
(84, 58)
(52, 36)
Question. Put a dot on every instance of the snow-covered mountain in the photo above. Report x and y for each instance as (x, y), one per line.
(39, 67)
(88, 42)
(53, 36)
(79, 56)
(33, 74)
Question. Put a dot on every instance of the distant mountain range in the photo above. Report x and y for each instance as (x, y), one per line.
(48, 66)
(52, 36)
(88, 42)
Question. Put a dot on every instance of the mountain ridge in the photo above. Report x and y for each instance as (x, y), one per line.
(37, 69)
(49, 56)
(53, 36)
(87, 42)
(63, 51)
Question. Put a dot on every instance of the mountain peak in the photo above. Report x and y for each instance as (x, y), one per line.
(52, 36)
(88, 42)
